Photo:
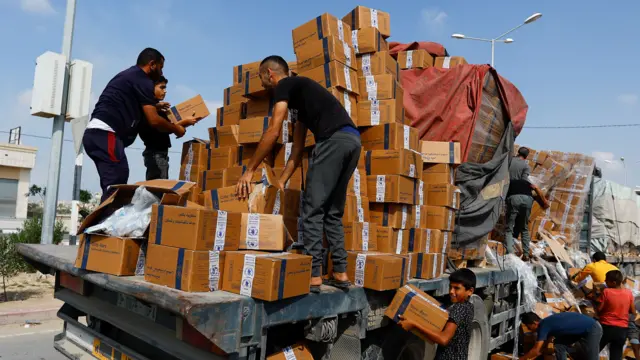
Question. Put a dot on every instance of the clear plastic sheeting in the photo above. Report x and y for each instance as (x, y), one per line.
(527, 278)
(130, 220)
(616, 215)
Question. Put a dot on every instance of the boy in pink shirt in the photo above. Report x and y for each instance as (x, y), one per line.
(615, 306)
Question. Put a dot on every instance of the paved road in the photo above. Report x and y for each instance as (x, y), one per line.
(34, 343)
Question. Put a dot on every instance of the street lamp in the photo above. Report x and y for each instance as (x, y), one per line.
(624, 167)
(493, 41)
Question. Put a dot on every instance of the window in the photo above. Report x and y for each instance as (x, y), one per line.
(8, 198)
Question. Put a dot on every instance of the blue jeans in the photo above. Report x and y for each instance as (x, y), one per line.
(590, 344)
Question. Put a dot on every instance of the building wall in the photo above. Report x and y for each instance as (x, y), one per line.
(16, 162)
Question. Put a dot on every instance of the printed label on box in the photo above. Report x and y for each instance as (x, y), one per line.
(380, 188)
(406, 136)
(276, 205)
(361, 262)
(354, 40)
(347, 53)
(365, 236)
(347, 78)
(214, 270)
(347, 103)
(374, 18)
(404, 216)
(253, 231)
(399, 242)
(248, 272)
(288, 351)
(417, 217)
(221, 231)
(340, 30)
(409, 59)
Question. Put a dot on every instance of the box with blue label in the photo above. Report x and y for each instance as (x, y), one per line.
(182, 269)
(108, 254)
(440, 152)
(393, 136)
(264, 232)
(417, 306)
(194, 107)
(267, 276)
(377, 271)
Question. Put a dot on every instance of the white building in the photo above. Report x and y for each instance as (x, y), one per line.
(16, 162)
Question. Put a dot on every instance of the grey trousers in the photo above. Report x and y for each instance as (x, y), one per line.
(157, 164)
(589, 344)
(332, 164)
(518, 211)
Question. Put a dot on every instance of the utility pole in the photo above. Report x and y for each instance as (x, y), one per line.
(57, 134)
(77, 179)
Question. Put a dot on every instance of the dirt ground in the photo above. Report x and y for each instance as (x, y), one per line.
(26, 286)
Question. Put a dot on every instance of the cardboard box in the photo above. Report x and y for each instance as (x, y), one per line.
(290, 203)
(358, 183)
(267, 276)
(434, 217)
(440, 152)
(414, 304)
(428, 241)
(295, 181)
(194, 107)
(259, 107)
(379, 87)
(316, 53)
(195, 153)
(251, 130)
(377, 271)
(182, 269)
(379, 63)
(393, 162)
(224, 136)
(230, 114)
(502, 356)
(216, 179)
(360, 236)
(263, 232)
(392, 136)
(447, 62)
(390, 240)
(194, 228)
(356, 209)
(368, 40)
(108, 254)
(397, 216)
(233, 94)
(428, 266)
(253, 86)
(240, 70)
(391, 189)
(282, 155)
(334, 74)
(557, 302)
(438, 173)
(364, 17)
(295, 352)
(443, 195)
(415, 59)
(222, 158)
(325, 25)
(348, 101)
(377, 112)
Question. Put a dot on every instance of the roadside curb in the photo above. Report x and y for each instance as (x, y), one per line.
(21, 316)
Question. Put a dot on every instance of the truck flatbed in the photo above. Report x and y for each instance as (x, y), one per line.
(231, 320)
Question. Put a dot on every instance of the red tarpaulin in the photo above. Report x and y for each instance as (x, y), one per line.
(444, 104)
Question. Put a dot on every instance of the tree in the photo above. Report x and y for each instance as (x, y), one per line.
(9, 265)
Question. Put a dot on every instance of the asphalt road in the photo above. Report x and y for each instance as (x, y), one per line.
(33, 343)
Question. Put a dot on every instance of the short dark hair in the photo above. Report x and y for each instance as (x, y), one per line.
(524, 152)
(161, 80)
(529, 318)
(614, 276)
(465, 277)
(149, 54)
(598, 256)
(275, 62)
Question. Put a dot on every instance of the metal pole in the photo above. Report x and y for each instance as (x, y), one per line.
(57, 134)
(77, 180)
(493, 49)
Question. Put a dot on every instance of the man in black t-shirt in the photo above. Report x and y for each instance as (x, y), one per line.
(519, 202)
(157, 143)
(333, 161)
(126, 100)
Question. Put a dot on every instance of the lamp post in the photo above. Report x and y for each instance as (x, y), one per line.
(493, 41)
(624, 167)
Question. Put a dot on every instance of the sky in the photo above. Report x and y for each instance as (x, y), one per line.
(575, 66)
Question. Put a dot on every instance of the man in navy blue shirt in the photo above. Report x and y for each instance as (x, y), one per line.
(127, 99)
(567, 329)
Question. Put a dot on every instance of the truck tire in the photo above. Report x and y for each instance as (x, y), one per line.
(393, 343)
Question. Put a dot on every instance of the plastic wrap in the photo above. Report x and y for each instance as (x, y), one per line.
(528, 280)
(490, 124)
(130, 220)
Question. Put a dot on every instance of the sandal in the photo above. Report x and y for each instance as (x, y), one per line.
(314, 289)
(340, 284)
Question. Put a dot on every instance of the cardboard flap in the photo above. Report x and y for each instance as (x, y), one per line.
(557, 249)
(197, 140)
(179, 187)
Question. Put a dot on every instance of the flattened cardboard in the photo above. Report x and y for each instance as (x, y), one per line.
(391, 136)
(443, 195)
(377, 112)
(265, 276)
(325, 25)
(377, 271)
(360, 236)
(368, 40)
(234, 94)
(316, 53)
(194, 229)
(263, 232)
(440, 152)
(415, 59)
(391, 189)
(379, 87)
(397, 216)
(393, 162)
(447, 62)
(334, 74)
(108, 254)
(230, 114)
(379, 63)
(414, 304)
(363, 17)
(224, 136)
(182, 269)
(240, 70)
(195, 107)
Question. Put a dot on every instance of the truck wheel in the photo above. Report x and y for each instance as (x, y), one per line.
(480, 336)
(393, 343)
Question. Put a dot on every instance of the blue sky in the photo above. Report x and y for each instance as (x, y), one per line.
(575, 66)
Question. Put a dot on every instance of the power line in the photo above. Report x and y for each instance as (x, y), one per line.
(67, 140)
(582, 126)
